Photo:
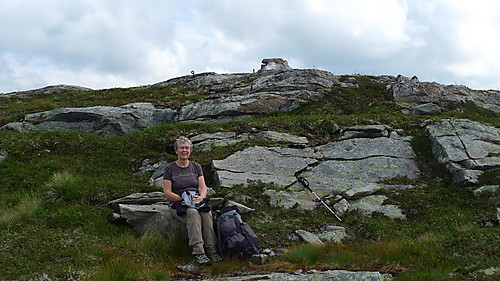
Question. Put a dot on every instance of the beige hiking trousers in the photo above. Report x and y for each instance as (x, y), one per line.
(200, 230)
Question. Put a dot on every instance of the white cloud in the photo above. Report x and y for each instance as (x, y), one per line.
(123, 43)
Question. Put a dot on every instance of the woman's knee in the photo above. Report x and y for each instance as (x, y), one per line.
(192, 215)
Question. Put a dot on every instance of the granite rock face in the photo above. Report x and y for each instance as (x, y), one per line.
(54, 89)
(351, 167)
(467, 148)
(412, 91)
(102, 120)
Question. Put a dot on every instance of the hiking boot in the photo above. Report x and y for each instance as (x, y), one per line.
(202, 259)
(215, 257)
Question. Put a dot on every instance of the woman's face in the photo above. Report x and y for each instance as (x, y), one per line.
(183, 151)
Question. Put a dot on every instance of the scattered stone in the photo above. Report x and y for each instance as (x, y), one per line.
(2, 158)
(242, 209)
(268, 252)
(491, 271)
(423, 109)
(362, 191)
(259, 259)
(291, 199)
(335, 129)
(151, 167)
(373, 203)
(217, 202)
(341, 207)
(191, 268)
(309, 237)
(332, 234)
(487, 188)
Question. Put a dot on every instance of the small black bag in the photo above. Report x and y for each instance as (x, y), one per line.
(234, 237)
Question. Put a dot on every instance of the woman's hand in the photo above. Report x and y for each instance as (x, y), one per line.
(197, 199)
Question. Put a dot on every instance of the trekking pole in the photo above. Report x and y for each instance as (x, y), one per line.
(305, 183)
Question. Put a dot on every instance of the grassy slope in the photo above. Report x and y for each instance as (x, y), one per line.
(54, 186)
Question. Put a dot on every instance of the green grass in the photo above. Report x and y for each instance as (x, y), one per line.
(55, 185)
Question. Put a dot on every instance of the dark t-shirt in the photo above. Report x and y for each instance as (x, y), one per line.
(183, 179)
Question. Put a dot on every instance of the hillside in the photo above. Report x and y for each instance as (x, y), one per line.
(66, 151)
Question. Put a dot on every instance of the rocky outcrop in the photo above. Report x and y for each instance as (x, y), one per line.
(260, 93)
(54, 89)
(209, 141)
(343, 275)
(351, 167)
(275, 64)
(337, 166)
(274, 88)
(412, 91)
(467, 148)
(102, 120)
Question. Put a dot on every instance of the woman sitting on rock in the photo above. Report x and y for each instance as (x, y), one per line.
(184, 184)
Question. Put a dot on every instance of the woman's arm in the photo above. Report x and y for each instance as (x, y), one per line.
(167, 189)
(202, 190)
(202, 187)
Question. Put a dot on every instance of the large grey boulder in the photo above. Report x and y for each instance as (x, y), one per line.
(138, 199)
(309, 237)
(362, 162)
(274, 64)
(259, 163)
(342, 175)
(467, 148)
(102, 120)
(138, 215)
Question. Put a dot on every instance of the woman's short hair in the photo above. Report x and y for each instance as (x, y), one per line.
(182, 140)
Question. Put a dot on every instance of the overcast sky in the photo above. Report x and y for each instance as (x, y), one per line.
(123, 43)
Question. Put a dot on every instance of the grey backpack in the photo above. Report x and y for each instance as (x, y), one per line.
(234, 237)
